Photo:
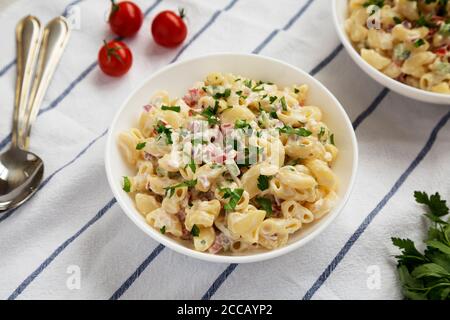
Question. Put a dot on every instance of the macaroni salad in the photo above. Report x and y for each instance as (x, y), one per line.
(233, 165)
(406, 40)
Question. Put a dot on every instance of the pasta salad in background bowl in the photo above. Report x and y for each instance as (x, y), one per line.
(402, 44)
(231, 157)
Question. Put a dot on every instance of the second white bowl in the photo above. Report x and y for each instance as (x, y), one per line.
(340, 13)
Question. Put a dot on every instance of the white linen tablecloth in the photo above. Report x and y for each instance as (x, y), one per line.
(73, 229)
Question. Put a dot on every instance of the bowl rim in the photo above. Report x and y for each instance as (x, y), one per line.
(166, 241)
(397, 86)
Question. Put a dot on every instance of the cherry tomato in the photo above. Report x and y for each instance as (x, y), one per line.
(125, 19)
(169, 29)
(115, 58)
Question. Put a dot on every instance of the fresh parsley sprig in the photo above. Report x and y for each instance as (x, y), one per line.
(426, 276)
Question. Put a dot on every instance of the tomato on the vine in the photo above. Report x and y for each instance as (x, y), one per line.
(115, 58)
(125, 18)
(168, 28)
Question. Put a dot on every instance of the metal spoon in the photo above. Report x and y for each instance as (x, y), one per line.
(21, 171)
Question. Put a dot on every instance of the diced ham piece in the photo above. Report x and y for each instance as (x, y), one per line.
(192, 97)
(148, 107)
(221, 242)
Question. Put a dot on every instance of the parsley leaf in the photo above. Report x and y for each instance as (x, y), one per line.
(234, 196)
(426, 276)
(163, 229)
(263, 182)
(163, 130)
(302, 132)
(195, 231)
(140, 145)
(241, 124)
(171, 108)
(170, 191)
(265, 204)
(192, 165)
(126, 184)
(437, 206)
(224, 94)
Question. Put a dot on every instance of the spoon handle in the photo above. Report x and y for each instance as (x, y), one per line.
(55, 38)
(28, 36)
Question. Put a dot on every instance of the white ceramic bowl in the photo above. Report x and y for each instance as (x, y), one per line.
(179, 77)
(340, 14)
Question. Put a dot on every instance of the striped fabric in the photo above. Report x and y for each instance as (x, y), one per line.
(73, 226)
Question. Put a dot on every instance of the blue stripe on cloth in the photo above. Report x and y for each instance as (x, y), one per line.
(48, 260)
(73, 84)
(73, 3)
(269, 38)
(7, 214)
(9, 65)
(58, 250)
(298, 15)
(219, 281)
(359, 119)
(327, 60)
(363, 226)
(231, 267)
(263, 44)
(124, 287)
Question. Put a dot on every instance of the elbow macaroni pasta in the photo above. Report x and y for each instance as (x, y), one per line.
(406, 40)
(234, 165)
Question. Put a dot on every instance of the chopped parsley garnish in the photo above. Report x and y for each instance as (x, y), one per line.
(265, 204)
(140, 145)
(445, 29)
(263, 182)
(272, 99)
(171, 108)
(423, 22)
(163, 130)
(296, 90)
(248, 83)
(224, 94)
(195, 231)
(163, 229)
(170, 191)
(126, 184)
(242, 124)
(283, 103)
(258, 88)
(332, 139)
(321, 133)
(192, 165)
(301, 132)
(234, 196)
(273, 114)
(211, 114)
(397, 20)
(418, 43)
(378, 3)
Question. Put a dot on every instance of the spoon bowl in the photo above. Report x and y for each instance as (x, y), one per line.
(21, 173)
